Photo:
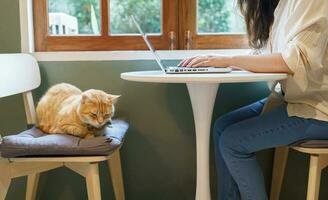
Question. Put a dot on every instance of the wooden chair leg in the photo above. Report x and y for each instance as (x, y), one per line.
(32, 186)
(5, 178)
(114, 165)
(93, 184)
(4, 186)
(317, 164)
(91, 173)
(279, 165)
(314, 178)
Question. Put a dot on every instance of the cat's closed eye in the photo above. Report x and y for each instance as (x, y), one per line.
(107, 115)
(94, 115)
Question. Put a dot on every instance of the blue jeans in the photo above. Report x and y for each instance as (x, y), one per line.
(241, 133)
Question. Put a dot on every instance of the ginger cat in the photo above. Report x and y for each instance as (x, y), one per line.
(65, 109)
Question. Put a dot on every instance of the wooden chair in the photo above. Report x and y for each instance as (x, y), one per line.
(318, 161)
(20, 74)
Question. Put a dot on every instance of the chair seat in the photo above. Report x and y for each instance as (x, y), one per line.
(70, 159)
(311, 150)
(312, 146)
(33, 144)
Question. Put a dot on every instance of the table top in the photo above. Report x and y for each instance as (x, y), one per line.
(233, 77)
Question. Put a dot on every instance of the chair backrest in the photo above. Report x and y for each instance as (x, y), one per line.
(19, 73)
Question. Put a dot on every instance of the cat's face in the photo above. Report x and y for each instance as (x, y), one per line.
(97, 107)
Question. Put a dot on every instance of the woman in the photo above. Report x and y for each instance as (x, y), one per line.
(295, 32)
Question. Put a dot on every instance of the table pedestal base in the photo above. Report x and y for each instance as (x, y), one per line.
(202, 96)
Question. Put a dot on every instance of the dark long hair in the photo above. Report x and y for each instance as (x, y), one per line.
(259, 17)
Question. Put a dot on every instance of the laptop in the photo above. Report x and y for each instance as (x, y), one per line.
(175, 69)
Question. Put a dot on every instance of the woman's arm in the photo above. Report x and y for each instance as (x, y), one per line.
(271, 63)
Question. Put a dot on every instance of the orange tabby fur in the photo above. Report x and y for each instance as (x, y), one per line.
(65, 109)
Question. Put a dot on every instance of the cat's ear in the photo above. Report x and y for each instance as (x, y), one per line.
(84, 98)
(113, 98)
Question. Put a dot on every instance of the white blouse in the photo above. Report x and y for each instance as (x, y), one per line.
(300, 34)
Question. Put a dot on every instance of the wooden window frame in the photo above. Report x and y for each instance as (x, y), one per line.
(178, 16)
(188, 22)
(104, 42)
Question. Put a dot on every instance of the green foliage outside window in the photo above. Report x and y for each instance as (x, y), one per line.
(213, 15)
(147, 13)
(81, 9)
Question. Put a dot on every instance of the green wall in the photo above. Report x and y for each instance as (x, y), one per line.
(158, 157)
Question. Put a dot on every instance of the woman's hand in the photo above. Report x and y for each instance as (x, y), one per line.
(269, 63)
(206, 61)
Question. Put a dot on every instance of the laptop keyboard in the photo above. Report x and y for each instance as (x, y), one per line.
(185, 69)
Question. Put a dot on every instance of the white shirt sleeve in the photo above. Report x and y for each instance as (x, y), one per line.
(306, 38)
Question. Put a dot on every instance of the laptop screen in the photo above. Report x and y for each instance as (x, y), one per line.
(148, 43)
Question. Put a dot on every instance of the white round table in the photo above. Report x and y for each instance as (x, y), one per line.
(202, 91)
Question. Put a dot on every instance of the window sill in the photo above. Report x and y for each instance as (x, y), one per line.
(129, 55)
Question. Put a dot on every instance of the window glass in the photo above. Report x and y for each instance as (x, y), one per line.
(147, 13)
(74, 17)
(219, 16)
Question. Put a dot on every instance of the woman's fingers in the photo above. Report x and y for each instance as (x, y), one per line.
(196, 61)
(186, 61)
(182, 62)
(205, 63)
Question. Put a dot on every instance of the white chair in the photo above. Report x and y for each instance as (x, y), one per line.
(20, 74)
(318, 161)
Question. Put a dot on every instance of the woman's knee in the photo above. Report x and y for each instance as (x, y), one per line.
(221, 124)
(227, 140)
(231, 142)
